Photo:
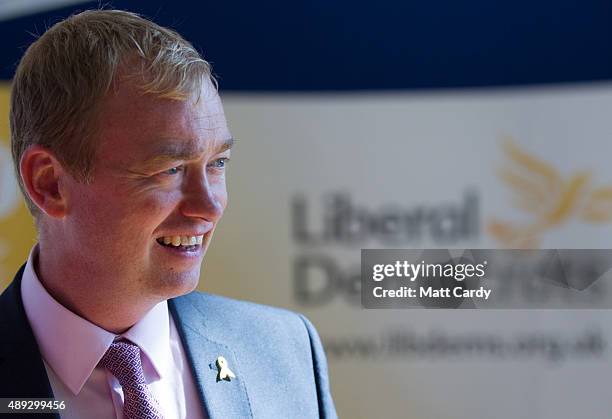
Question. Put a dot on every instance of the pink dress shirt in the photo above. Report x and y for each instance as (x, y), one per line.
(71, 348)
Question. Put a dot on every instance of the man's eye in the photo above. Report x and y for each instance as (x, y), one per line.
(173, 171)
(220, 163)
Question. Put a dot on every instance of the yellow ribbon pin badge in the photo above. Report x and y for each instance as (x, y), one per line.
(224, 372)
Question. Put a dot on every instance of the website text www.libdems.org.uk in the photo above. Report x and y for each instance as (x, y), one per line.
(409, 344)
(480, 278)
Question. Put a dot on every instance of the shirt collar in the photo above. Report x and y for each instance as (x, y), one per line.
(152, 335)
(72, 346)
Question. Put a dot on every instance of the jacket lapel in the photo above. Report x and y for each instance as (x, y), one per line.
(22, 372)
(221, 398)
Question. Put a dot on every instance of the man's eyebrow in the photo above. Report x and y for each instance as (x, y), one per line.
(170, 152)
(227, 144)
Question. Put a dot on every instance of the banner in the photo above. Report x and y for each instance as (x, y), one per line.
(315, 179)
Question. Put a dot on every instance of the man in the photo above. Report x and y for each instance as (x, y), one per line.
(121, 145)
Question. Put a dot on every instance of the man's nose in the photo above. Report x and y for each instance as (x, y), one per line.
(203, 199)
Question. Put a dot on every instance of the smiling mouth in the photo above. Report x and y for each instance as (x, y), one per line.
(181, 242)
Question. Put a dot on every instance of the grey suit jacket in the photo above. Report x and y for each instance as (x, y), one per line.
(276, 355)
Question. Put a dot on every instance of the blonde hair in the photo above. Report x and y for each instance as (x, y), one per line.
(64, 75)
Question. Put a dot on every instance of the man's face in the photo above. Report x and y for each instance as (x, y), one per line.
(159, 181)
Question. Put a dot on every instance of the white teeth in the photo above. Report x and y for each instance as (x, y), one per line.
(182, 240)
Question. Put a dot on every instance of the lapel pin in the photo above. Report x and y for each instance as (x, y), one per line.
(224, 372)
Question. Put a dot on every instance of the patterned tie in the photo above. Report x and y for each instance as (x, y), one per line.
(122, 359)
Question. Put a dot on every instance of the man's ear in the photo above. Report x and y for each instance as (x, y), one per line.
(42, 173)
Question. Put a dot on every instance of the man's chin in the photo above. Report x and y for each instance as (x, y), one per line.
(176, 284)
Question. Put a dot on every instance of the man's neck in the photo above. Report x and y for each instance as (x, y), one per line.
(89, 296)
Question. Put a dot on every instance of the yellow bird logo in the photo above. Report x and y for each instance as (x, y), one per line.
(549, 197)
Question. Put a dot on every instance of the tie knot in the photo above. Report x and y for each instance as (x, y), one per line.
(122, 359)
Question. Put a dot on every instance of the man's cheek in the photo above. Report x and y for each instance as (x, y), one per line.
(223, 202)
(155, 205)
(221, 195)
